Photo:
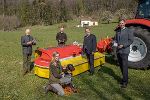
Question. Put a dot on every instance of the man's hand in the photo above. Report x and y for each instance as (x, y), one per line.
(120, 46)
(29, 43)
(59, 41)
(34, 41)
(62, 74)
(93, 53)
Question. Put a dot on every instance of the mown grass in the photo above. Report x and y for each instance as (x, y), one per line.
(102, 86)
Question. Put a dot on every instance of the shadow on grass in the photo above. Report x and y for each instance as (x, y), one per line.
(115, 87)
(91, 87)
(31, 66)
(111, 87)
(110, 59)
(110, 72)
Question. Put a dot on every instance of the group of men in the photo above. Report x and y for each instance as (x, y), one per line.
(122, 41)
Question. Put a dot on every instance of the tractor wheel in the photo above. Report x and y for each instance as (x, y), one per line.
(139, 56)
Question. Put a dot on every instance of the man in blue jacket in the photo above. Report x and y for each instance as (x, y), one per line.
(27, 41)
(89, 48)
(123, 38)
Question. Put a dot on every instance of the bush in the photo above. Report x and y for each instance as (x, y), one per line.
(124, 14)
(107, 16)
(9, 22)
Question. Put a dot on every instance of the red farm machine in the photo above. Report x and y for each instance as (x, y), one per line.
(139, 56)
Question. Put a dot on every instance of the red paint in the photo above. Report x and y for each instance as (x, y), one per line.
(139, 21)
(66, 51)
(104, 45)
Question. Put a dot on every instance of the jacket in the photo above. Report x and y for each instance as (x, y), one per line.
(27, 49)
(124, 37)
(89, 44)
(55, 73)
(62, 37)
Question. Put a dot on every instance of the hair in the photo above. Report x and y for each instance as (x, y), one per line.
(27, 30)
(122, 20)
(87, 28)
(54, 55)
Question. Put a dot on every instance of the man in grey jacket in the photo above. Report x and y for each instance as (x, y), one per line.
(27, 41)
(123, 39)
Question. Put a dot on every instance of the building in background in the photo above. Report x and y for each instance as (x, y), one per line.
(85, 22)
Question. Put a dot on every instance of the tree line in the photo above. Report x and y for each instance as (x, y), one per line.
(19, 13)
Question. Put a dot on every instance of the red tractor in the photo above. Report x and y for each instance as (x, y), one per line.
(139, 56)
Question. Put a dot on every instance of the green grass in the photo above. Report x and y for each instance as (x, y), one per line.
(102, 86)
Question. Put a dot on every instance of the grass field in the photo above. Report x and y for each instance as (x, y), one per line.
(102, 86)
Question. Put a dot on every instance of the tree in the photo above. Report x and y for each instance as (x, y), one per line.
(63, 11)
(107, 16)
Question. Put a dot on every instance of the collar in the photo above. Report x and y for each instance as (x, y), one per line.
(123, 28)
(87, 35)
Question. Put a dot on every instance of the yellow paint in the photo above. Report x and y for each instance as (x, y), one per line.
(79, 62)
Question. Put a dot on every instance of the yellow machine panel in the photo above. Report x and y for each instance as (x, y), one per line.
(80, 63)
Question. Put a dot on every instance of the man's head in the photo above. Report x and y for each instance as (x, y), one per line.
(122, 24)
(61, 29)
(28, 31)
(87, 31)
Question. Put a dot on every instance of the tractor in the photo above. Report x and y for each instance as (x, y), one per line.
(139, 57)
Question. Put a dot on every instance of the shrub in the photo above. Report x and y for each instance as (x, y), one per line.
(124, 14)
(8, 23)
(107, 16)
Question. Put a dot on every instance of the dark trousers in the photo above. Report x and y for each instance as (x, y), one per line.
(90, 58)
(26, 62)
(123, 63)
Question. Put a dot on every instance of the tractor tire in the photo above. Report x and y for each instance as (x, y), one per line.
(139, 57)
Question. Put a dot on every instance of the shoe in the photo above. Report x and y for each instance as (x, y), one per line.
(123, 85)
(75, 90)
(45, 89)
(24, 73)
(30, 74)
(91, 73)
(121, 82)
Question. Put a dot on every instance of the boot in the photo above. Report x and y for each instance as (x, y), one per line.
(73, 88)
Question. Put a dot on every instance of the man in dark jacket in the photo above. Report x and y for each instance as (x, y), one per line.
(27, 41)
(61, 37)
(123, 39)
(89, 48)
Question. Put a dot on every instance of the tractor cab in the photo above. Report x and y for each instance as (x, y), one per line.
(143, 10)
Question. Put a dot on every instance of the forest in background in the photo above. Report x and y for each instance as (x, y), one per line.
(20, 13)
